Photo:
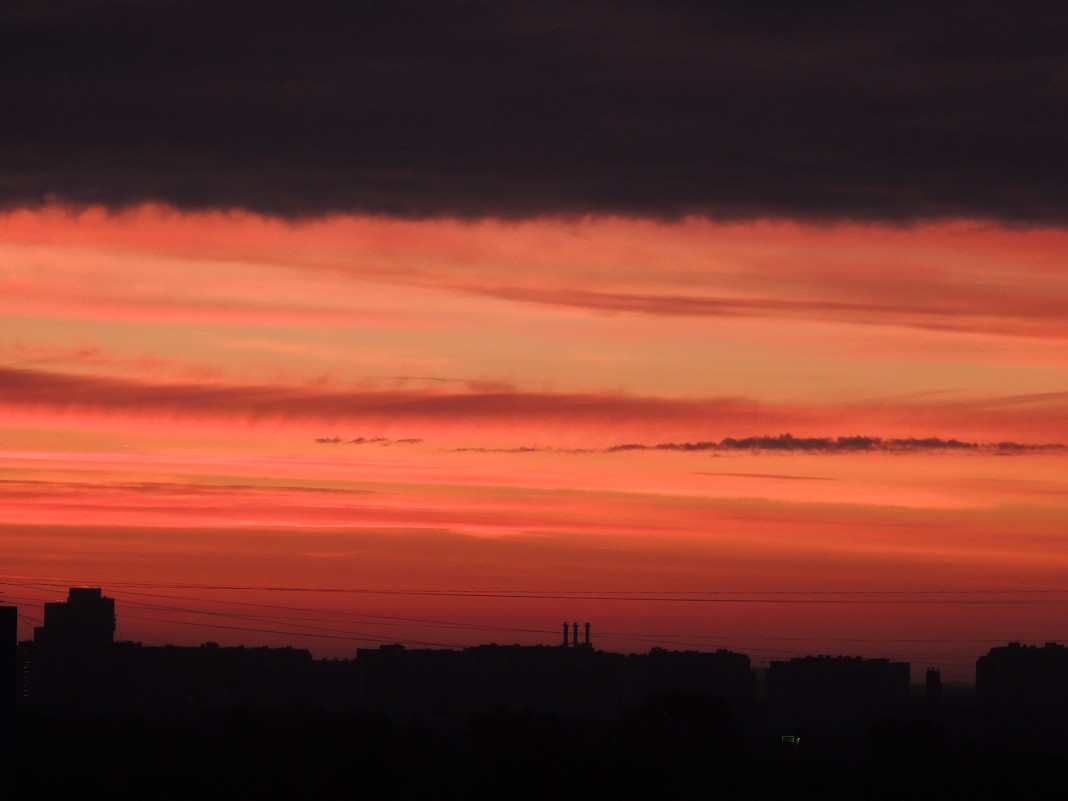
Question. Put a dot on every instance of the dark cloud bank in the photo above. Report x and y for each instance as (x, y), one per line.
(839, 110)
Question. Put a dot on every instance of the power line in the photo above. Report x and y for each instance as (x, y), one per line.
(656, 596)
(301, 626)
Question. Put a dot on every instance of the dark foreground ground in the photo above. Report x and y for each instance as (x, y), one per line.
(670, 747)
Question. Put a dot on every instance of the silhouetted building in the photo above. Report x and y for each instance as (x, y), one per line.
(74, 665)
(69, 660)
(8, 674)
(85, 620)
(8, 658)
(177, 680)
(574, 680)
(933, 686)
(1024, 677)
(839, 688)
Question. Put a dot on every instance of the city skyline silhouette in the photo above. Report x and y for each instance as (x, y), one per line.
(831, 718)
(436, 324)
(87, 618)
(335, 633)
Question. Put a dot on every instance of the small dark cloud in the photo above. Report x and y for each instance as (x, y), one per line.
(868, 111)
(367, 441)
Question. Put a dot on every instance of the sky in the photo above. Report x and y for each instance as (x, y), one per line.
(714, 325)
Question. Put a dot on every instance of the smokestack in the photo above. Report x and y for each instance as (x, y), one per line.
(587, 634)
(574, 634)
(565, 634)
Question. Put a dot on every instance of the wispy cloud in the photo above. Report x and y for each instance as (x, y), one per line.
(1005, 316)
(94, 358)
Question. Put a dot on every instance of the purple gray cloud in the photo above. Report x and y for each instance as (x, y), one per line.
(861, 110)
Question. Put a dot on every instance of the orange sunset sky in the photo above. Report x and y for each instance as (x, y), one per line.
(463, 422)
(378, 406)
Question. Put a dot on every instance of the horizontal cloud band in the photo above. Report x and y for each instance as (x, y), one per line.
(577, 419)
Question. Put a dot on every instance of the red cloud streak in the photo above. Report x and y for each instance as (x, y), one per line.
(1038, 418)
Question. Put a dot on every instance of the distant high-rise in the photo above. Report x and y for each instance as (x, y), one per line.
(85, 620)
(8, 674)
(71, 654)
(8, 657)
